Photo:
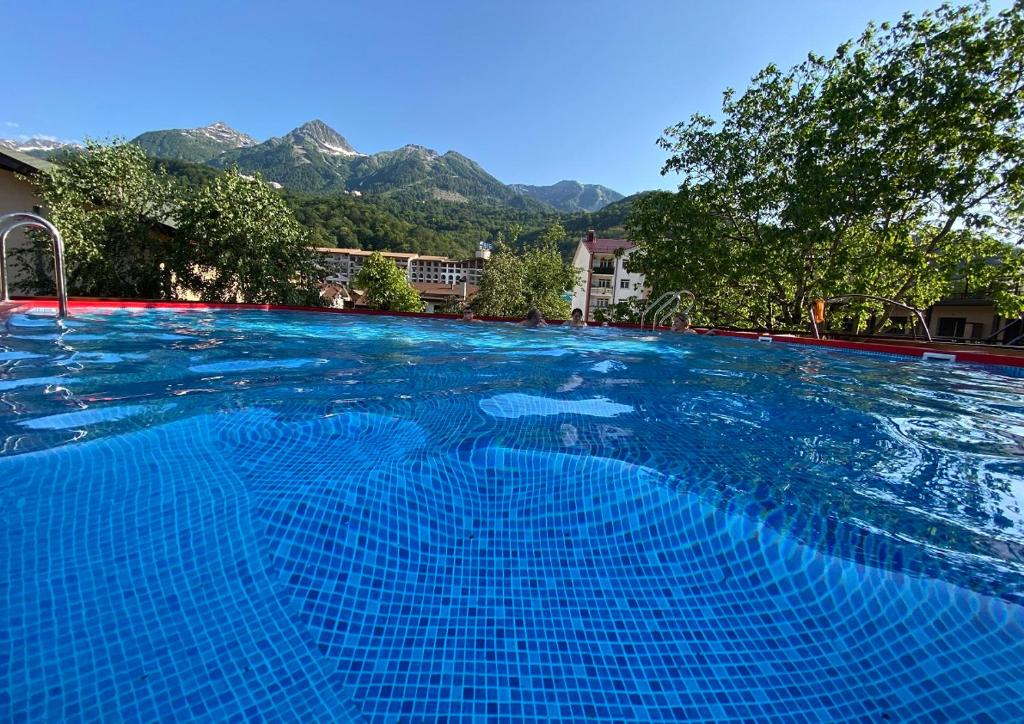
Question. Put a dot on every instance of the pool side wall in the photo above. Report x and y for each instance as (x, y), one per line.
(1008, 364)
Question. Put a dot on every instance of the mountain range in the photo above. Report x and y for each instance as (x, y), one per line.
(39, 146)
(571, 195)
(199, 145)
(314, 158)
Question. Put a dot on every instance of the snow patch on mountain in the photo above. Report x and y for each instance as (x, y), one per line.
(26, 144)
(332, 150)
(271, 184)
(223, 133)
(320, 137)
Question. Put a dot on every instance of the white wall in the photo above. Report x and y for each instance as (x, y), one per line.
(980, 315)
(16, 195)
(634, 281)
(581, 260)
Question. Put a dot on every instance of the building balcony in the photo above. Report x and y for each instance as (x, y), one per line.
(604, 270)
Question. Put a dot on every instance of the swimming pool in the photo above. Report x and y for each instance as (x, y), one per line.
(240, 515)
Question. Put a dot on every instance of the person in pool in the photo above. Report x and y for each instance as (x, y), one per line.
(577, 318)
(467, 315)
(534, 319)
(681, 323)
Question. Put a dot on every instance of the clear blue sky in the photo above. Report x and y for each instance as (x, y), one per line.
(535, 91)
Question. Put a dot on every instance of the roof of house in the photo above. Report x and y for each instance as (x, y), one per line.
(389, 254)
(363, 252)
(427, 290)
(19, 162)
(607, 246)
(331, 291)
(442, 291)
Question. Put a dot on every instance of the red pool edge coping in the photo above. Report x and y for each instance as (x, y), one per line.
(917, 350)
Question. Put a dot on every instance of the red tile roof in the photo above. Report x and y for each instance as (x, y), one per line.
(607, 246)
(430, 289)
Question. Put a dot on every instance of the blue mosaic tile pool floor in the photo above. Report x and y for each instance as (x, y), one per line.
(282, 554)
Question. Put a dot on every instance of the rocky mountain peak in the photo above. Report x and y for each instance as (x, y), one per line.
(418, 150)
(326, 140)
(223, 133)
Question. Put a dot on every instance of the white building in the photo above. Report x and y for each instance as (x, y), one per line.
(603, 279)
(344, 264)
(433, 276)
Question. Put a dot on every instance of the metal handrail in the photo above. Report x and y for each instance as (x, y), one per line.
(18, 220)
(674, 299)
(680, 293)
(655, 303)
(662, 303)
(841, 297)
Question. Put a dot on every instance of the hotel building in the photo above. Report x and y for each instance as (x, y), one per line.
(434, 277)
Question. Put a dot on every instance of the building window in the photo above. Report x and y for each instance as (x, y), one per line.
(624, 284)
(952, 326)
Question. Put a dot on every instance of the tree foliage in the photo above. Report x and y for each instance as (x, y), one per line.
(513, 283)
(132, 230)
(385, 286)
(242, 243)
(109, 205)
(892, 168)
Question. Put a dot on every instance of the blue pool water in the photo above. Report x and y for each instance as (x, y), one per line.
(286, 516)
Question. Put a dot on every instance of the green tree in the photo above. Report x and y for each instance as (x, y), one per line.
(628, 310)
(887, 169)
(109, 205)
(548, 277)
(502, 285)
(538, 277)
(453, 304)
(554, 234)
(385, 286)
(242, 243)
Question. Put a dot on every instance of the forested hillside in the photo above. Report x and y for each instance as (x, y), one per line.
(400, 223)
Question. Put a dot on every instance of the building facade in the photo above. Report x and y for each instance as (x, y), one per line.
(604, 280)
(971, 318)
(344, 264)
(436, 278)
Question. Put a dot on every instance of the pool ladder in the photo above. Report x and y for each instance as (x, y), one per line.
(663, 305)
(870, 297)
(20, 220)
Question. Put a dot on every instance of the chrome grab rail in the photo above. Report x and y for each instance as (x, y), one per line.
(842, 297)
(678, 295)
(662, 303)
(18, 220)
(653, 305)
